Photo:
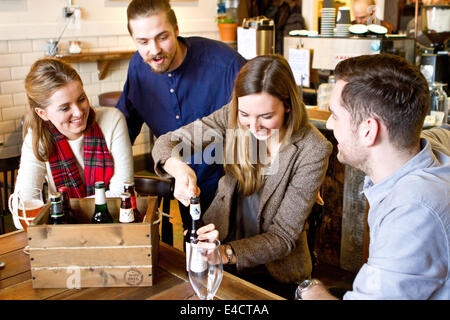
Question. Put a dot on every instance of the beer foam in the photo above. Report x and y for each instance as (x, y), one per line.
(31, 204)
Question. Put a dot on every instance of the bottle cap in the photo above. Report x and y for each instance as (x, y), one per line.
(125, 195)
(129, 184)
(194, 200)
(63, 188)
(55, 197)
(99, 185)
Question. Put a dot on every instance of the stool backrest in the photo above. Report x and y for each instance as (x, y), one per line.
(109, 99)
(8, 171)
(163, 189)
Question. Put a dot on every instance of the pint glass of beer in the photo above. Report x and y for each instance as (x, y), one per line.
(25, 205)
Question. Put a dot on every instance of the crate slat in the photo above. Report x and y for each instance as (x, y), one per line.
(71, 278)
(89, 235)
(90, 256)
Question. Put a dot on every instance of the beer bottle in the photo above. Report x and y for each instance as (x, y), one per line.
(126, 210)
(101, 212)
(70, 217)
(195, 212)
(129, 187)
(56, 209)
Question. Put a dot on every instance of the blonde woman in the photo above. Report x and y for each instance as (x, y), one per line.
(275, 163)
(66, 142)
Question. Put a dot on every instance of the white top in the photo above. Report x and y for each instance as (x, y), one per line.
(111, 121)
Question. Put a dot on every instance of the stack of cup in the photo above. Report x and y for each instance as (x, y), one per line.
(343, 22)
(328, 21)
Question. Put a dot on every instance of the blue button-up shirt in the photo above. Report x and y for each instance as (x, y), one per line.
(202, 84)
(409, 221)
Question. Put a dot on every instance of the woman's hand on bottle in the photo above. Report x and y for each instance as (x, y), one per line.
(208, 233)
(185, 180)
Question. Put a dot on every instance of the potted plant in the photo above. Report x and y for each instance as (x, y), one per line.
(227, 24)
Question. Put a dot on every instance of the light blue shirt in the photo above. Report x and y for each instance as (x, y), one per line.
(409, 221)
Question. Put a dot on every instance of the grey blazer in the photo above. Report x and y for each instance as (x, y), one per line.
(286, 200)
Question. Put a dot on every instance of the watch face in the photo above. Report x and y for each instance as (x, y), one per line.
(305, 284)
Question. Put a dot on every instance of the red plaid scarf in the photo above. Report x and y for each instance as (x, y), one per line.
(98, 162)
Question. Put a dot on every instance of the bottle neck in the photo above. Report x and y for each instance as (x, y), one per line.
(196, 224)
(66, 201)
(100, 196)
(126, 204)
(56, 209)
(195, 211)
(130, 190)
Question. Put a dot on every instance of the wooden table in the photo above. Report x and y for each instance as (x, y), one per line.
(171, 281)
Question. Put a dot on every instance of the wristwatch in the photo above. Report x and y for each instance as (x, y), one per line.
(304, 286)
(229, 252)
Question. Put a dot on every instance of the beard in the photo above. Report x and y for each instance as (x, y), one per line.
(160, 67)
(353, 156)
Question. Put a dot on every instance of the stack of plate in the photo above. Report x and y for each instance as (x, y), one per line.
(328, 21)
(342, 30)
(343, 22)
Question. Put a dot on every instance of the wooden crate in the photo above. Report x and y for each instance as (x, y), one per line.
(94, 255)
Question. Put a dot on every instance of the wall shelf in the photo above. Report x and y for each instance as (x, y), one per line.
(103, 59)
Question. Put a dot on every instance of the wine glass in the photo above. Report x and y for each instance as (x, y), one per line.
(205, 268)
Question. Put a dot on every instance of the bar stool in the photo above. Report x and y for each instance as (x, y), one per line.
(8, 170)
(163, 188)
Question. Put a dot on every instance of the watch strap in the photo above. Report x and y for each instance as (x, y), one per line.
(229, 252)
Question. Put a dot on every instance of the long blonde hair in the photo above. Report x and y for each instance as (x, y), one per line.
(270, 74)
(46, 76)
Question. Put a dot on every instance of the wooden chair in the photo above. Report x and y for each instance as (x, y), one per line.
(163, 189)
(8, 169)
(109, 99)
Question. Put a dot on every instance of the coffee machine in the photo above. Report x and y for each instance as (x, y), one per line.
(436, 67)
(256, 37)
(434, 44)
(326, 52)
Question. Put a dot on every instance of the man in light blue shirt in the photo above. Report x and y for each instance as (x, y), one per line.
(377, 110)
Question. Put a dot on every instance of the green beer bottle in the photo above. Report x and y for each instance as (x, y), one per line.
(101, 212)
(56, 209)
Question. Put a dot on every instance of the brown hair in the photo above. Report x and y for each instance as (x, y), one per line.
(270, 74)
(147, 8)
(45, 77)
(388, 88)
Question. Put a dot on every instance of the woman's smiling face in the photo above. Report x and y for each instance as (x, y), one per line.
(262, 114)
(68, 110)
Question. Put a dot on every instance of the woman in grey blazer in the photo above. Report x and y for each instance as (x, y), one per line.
(274, 160)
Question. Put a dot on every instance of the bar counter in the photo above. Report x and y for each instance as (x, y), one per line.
(171, 281)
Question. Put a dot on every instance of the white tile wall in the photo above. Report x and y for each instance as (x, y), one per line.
(16, 57)
(6, 100)
(5, 74)
(10, 60)
(20, 46)
(3, 47)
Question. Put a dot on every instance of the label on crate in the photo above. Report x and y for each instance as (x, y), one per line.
(133, 277)
(126, 215)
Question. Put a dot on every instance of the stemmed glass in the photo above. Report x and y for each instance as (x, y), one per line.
(205, 268)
